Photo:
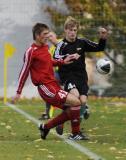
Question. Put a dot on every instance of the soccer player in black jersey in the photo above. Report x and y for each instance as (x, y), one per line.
(74, 76)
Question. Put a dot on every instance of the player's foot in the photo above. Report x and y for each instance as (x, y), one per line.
(44, 116)
(43, 131)
(59, 129)
(86, 113)
(79, 136)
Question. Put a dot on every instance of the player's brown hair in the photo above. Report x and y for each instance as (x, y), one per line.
(38, 28)
(71, 22)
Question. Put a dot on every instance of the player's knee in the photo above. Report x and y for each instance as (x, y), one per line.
(73, 100)
(78, 101)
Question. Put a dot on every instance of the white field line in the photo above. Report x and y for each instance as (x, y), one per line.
(74, 144)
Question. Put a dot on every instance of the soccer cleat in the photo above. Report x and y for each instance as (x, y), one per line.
(44, 116)
(59, 129)
(78, 136)
(43, 131)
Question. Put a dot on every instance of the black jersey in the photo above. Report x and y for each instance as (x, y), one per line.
(77, 68)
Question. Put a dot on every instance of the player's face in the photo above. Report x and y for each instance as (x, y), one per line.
(71, 33)
(42, 37)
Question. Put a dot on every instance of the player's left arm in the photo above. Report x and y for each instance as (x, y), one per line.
(94, 47)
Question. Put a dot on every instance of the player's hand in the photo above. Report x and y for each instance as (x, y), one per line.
(75, 56)
(15, 98)
(103, 33)
(69, 59)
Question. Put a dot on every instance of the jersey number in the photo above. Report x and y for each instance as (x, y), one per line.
(62, 94)
(71, 86)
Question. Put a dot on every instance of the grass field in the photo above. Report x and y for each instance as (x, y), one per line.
(20, 138)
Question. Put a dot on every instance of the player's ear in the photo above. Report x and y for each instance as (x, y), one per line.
(37, 36)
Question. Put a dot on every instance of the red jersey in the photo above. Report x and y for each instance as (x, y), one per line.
(37, 61)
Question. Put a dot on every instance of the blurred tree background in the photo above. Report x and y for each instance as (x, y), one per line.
(92, 14)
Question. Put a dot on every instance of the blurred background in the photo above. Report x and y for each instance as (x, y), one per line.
(18, 16)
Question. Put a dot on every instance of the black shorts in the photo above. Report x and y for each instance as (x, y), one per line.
(81, 85)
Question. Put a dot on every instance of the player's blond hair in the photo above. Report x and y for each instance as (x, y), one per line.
(70, 23)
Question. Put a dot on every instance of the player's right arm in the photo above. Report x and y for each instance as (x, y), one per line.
(23, 74)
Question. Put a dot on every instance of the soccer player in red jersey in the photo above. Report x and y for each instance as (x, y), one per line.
(53, 41)
(38, 62)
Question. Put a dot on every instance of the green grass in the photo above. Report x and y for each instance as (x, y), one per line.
(20, 139)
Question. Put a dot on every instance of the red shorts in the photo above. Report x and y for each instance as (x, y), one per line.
(53, 94)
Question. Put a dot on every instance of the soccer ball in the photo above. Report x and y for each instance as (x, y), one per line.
(104, 66)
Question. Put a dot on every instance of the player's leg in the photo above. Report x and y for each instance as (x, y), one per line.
(83, 90)
(46, 115)
(71, 88)
(74, 91)
(72, 113)
(83, 100)
(76, 88)
(57, 96)
(84, 111)
(73, 104)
